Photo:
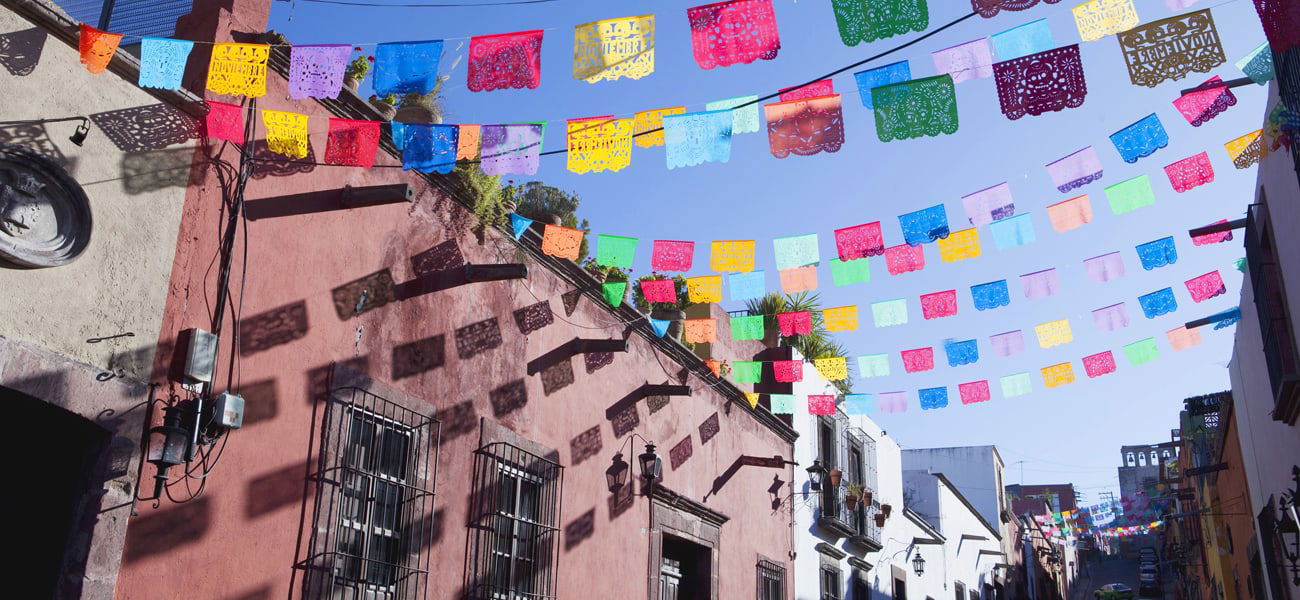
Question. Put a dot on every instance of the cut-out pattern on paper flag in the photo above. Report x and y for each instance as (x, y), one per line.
(970, 60)
(990, 295)
(925, 225)
(97, 47)
(286, 133)
(1213, 238)
(796, 251)
(805, 127)
(225, 122)
(406, 67)
(939, 304)
(1075, 170)
(1008, 344)
(1190, 172)
(1070, 214)
(614, 292)
(1054, 333)
(1281, 20)
(821, 404)
(961, 245)
(744, 371)
(648, 125)
(599, 144)
(932, 398)
(801, 279)
(1258, 64)
(162, 62)
(1199, 107)
(700, 331)
(1140, 139)
(732, 256)
(893, 402)
(1130, 194)
(1058, 375)
(672, 255)
(859, 241)
(904, 259)
(614, 48)
(989, 204)
(1158, 253)
(697, 138)
(747, 286)
(1158, 303)
(1142, 352)
(873, 365)
(1018, 384)
(851, 272)
(1204, 287)
(782, 404)
(1170, 48)
(1110, 318)
(563, 242)
(889, 312)
(880, 76)
(352, 143)
(659, 290)
(743, 110)
(1040, 284)
(1099, 18)
(973, 392)
(704, 289)
(505, 61)
(911, 109)
(1246, 150)
(857, 404)
(835, 368)
(1047, 81)
(398, 132)
(1105, 267)
(615, 250)
(1099, 364)
(794, 323)
(918, 360)
(316, 71)
(990, 8)
(238, 69)
(519, 224)
(468, 143)
(736, 31)
(824, 87)
(787, 371)
(512, 149)
(843, 318)
(747, 328)
(962, 352)
(870, 20)
(1031, 38)
(1012, 231)
(430, 148)
(1182, 338)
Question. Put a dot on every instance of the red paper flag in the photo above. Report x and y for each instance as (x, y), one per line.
(920, 359)
(859, 241)
(939, 304)
(904, 259)
(225, 122)
(795, 323)
(824, 87)
(505, 61)
(975, 391)
(669, 255)
(659, 290)
(821, 405)
(1206, 286)
(1213, 238)
(97, 48)
(787, 371)
(352, 143)
(1099, 364)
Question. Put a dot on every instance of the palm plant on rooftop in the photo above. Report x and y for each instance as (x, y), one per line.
(818, 344)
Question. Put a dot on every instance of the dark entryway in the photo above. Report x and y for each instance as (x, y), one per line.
(685, 570)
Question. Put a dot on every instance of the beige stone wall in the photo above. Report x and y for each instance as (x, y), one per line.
(134, 167)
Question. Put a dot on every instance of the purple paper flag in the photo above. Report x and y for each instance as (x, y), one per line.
(1105, 267)
(511, 149)
(893, 402)
(971, 60)
(989, 205)
(1040, 284)
(1006, 344)
(317, 71)
(1076, 170)
(1111, 317)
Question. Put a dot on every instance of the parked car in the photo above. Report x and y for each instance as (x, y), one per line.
(1149, 569)
(1113, 591)
(1149, 587)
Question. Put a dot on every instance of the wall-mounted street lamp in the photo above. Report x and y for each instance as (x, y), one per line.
(652, 466)
(1287, 528)
(918, 564)
(815, 474)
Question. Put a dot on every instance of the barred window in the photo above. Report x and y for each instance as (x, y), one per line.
(771, 581)
(831, 583)
(515, 531)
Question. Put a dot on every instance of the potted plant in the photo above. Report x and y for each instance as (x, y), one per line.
(866, 496)
(664, 311)
(852, 495)
(835, 476)
(387, 106)
(424, 109)
(356, 71)
(885, 509)
(880, 519)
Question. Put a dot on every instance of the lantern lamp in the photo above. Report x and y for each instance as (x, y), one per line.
(815, 474)
(918, 564)
(616, 474)
(651, 465)
(167, 445)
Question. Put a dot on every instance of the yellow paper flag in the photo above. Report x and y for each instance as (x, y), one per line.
(1058, 375)
(835, 368)
(652, 120)
(844, 318)
(238, 69)
(960, 245)
(599, 144)
(1054, 333)
(704, 289)
(614, 48)
(286, 133)
(1099, 18)
(732, 256)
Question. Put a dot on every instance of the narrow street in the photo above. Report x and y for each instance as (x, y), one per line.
(1115, 569)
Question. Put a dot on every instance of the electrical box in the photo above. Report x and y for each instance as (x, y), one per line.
(200, 356)
(228, 411)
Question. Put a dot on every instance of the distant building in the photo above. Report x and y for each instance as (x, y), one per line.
(1059, 496)
(1140, 466)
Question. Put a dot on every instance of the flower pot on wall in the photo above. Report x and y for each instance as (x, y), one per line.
(880, 520)
(866, 497)
(885, 509)
(385, 110)
(835, 476)
(420, 115)
(851, 502)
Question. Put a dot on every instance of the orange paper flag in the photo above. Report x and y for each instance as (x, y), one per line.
(561, 242)
(467, 143)
(97, 48)
(700, 331)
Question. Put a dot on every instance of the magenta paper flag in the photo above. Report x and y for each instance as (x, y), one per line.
(1190, 172)
(904, 259)
(1213, 238)
(1105, 267)
(989, 204)
(821, 405)
(670, 255)
(317, 71)
(825, 87)
(939, 304)
(971, 60)
(794, 323)
(1007, 344)
(1048, 81)
(1182, 338)
(659, 290)
(225, 121)
(917, 360)
(1199, 107)
(505, 61)
(1111, 317)
(1206, 286)
(1040, 284)
(859, 241)
(1099, 364)
(736, 31)
(787, 371)
(893, 402)
(975, 391)
(1075, 170)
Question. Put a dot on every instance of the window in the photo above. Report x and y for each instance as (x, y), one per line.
(1129, 460)
(369, 536)
(831, 583)
(827, 452)
(771, 581)
(1142, 459)
(900, 588)
(1155, 458)
(1271, 305)
(960, 590)
(514, 532)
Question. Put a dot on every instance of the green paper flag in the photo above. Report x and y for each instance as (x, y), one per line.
(1241, 265)
(614, 291)
(853, 271)
(747, 328)
(1130, 194)
(1142, 351)
(869, 20)
(1018, 384)
(747, 372)
(915, 108)
(615, 251)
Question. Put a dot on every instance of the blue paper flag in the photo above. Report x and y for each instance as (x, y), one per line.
(162, 62)
(1258, 65)
(1158, 253)
(695, 138)
(520, 224)
(1012, 231)
(990, 295)
(933, 397)
(960, 353)
(430, 148)
(406, 67)
(857, 404)
(747, 286)
(1158, 303)
(925, 225)
(1031, 38)
(881, 76)
(660, 327)
(1226, 318)
(1140, 139)
(398, 133)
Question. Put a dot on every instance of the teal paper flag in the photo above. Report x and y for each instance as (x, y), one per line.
(520, 225)
(660, 327)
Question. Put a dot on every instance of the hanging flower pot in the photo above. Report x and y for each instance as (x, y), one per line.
(851, 502)
(885, 509)
(866, 497)
(835, 475)
(880, 520)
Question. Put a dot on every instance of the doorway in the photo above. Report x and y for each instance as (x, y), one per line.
(685, 570)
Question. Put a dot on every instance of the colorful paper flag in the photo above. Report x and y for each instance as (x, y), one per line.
(823, 87)
(614, 48)
(747, 286)
(747, 328)
(1070, 214)
(316, 71)
(1140, 139)
(1158, 303)
(562, 242)
(843, 318)
(744, 113)
(1258, 64)
(1008, 344)
(1099, 18)
(1058, 375)
(1213, 238)
(965, 61)
(1130, 194)
(932, 398)
(238, 69)
(615, 251)
(794, 323)
(512, 149)
(887, 313)
(911, 109)
(614, 292)
(1199, 107)
(1048, 81)
(782, 404)
(1205, 286)
(960, 245)
(505, 61)
(857, 404)
(1012, 231)
(1040, 284)
(925, 225)
(859, 241)
(352, 143)
(1142, 351)
(787, 371)
(1158, 253)
(1169, 49)
(599, 144)
(962, 352)
(519, 224)
(97, 48)
(670, 255)
(821, 405)
(1110, 318)
(659, 290)
(1075, 170)
(286, 133)
(1246, 150)
(704, 289)
(973, 392)
(648, 125)
(1054, 333)
(893, 402)
(834, 368)
(406, 67)
(1022, 40)
(731, 256)
(918, 360)
(805, 127)
(989, 204)
(869, 20)
(1182, 338)
(1018, 384)
(939, 304)
(746, 371)
(225, 122)
(990, 295)
(904, 258)
(162, 62)
(801, 279)
(430, 148)
(700, 331)
(734, 31)
(1099, 364)
(696, 138)
(880, 76)
(851, 272)
(1105, 267)
(873, 365)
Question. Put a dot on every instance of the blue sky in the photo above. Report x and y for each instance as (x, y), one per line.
(1067, 434)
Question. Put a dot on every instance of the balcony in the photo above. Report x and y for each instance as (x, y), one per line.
(858, 525)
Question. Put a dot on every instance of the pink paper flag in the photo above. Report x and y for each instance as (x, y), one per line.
(893, 402)
(1213, 238)
(1099, 364)
(1070, 214)
(939, 304)
(989, 205)
(820, 404)
(659, 290)
(920, 359)
(1075, 170)
(802, 279)
(787, 371)
(1040, 284)
(795, 323)
(1111, 317)
(669, 255)
(859, 241)
(1206, 286)
(1190, 172)
(1199, 107)
(1009, 343)
(736, 31)
(904, 258)
(971, 60)
(225, 121)
(1183, 338)
(505, 61)
(975, 391)
(825, 87)
(1105, 267)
